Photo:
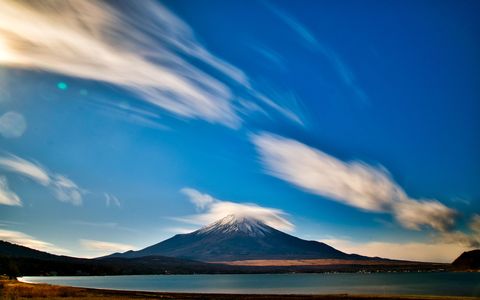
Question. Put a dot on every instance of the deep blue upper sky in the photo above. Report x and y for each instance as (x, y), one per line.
(394, 86)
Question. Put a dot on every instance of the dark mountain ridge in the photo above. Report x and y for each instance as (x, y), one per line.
(16, 260)
(469, 260)
(14, 250)
(239, 238)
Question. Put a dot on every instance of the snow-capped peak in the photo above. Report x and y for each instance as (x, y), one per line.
(237, 223)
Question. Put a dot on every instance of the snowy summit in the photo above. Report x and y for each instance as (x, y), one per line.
(236, 223)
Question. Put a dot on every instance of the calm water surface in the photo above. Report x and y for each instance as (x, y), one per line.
(454, 284)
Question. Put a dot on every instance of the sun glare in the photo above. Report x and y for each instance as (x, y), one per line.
(5, 53)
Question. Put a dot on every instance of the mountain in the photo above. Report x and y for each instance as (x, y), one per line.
(16, 260)
(469, 260)
(13, 250)
(239, 238)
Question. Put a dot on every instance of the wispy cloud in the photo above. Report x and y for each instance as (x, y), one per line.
(111, 226)
(26, 240)
(472, 239)
(281, 104)
(200, 200)
(352, 183)
(271, 56)
(460, 200)
(12, 124)
(212, 209)
(414, 213)
(10, 223)
(26, 168)
(179, 230)
(143, 52)
(111, 200)
(62, 187)
(135, 114)
(106, 247)
(65, 190)
(475, 224)
(7, 197)
(143, 48)
(343, 71)
(294, 24)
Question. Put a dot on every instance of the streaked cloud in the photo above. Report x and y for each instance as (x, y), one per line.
(200, 200)
(461, 201)
(66, 190)
(475, 224)
(26, 168)
(10, 223)
(103, 246)
(353, 183)
(62, 187)
(294, 24)
(414, 213)
(270, 56)
(280, 104)
(7, 197)
(180, 230)
(212, 209)
(343, 71)
(145, 49)
(110, 226)
(470, 239)
(111, 200)
(142, 52)
(26, 240)
(12, 124)
(135, 114)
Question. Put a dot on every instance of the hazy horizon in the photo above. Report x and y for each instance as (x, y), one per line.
(351, 123)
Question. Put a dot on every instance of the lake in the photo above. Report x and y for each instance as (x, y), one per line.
(454, 284)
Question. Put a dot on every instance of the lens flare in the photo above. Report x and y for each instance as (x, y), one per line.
(4, 53)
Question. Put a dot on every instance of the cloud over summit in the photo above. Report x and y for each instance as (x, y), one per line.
(212, 209)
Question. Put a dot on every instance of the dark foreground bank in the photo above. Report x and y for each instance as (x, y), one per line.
(13, 289)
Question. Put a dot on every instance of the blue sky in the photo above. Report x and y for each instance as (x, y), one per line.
(346, 122)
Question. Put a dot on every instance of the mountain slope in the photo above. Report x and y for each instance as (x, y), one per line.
(469, 260)
(239, 238)
(13, 250)
(16, 260)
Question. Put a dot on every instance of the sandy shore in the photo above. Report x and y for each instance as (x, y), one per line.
(12, 289)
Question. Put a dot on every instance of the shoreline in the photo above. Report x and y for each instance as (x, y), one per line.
(15, 289)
